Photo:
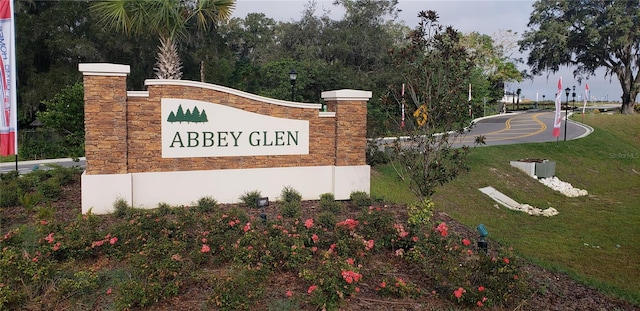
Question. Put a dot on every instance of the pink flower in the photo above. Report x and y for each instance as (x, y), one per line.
(383, 284)
(247, 227)
(479, 303)
(466, 242)
(308, 223)
(205, 248)
(442, 228)
(368, 244)
(315, 238)
(109, 291)
(506, 260)
(113, 240)
(357, 289)
(311, 289)
(43, 222)
(232, 223)
(289, 293)
(349, 223)
(480, 288)
(415, 239)
(203, 240)
(400, 252)
(458, 292)
(34, 259)
(57, 246)
(350, 261)
(49, 238)
(350, 276)
(96, 243)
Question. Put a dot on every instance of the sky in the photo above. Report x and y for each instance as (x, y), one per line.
(489, 17)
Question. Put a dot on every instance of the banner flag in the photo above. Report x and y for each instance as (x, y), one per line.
(8, 120)
(557, 122)
(586, 97)
(402, 120)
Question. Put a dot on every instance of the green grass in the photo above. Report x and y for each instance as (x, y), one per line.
(594, 238)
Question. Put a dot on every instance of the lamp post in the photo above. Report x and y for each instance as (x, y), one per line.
(293, 75)
(543, 100)
(573, 97)
(566, 113)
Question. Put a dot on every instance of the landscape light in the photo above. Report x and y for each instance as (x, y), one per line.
(262, 203)
(482, 243)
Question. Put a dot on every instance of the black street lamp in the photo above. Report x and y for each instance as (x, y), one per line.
(566, 113)
(293, 75)
(573, 97)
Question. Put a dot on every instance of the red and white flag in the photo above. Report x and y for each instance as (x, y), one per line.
(8, 106)
(557, 121)
(586, 97)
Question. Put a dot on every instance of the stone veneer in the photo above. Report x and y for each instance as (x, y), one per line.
(123, 131)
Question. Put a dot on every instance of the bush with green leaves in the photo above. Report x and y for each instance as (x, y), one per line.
(145, 256)
(328, 203)
(250, 199)
(360, 198)
(289, 194)
(207, 204)
(10, 194)
(291, 209)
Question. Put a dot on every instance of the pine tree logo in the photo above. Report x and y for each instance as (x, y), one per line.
(190, 116)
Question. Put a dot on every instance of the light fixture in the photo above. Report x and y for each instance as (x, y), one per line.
(262, 203)
(293, 75)
(482, 243)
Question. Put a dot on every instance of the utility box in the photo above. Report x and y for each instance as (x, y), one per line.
(545, 169)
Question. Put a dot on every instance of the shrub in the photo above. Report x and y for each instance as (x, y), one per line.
(238, 290)
(64, 175)
(360, 198)
(420, 213)
(50, 189)
(374, 156)
(291, 209)
(328, 203)
(9, 194)
(327, 219)
(290, 195)
(207, 204)
(250, 199)
(121, 208)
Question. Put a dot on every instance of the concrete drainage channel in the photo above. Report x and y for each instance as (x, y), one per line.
(543, 171)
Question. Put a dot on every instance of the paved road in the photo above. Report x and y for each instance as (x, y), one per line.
(28, 166)
(523, 127)
(516, 128)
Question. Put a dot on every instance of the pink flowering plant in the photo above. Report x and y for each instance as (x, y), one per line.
(137, 258)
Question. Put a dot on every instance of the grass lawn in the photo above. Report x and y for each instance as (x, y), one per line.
(593, 239)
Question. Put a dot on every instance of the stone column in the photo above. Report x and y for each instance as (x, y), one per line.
(350, 107)
(105, 117)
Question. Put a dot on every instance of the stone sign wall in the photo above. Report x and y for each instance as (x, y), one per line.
(183, 140)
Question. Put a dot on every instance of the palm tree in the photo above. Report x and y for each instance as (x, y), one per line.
(169, 19)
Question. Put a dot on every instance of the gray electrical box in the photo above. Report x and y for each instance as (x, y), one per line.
(545, 169)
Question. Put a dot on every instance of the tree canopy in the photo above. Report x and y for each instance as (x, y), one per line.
(587, 35)
(252, 54)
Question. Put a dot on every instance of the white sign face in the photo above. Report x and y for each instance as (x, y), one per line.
(193, 128)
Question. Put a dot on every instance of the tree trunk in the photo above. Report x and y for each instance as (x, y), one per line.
(628, 102)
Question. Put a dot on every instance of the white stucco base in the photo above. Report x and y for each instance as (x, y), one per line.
(147, 190)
